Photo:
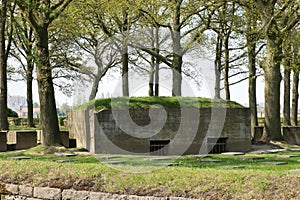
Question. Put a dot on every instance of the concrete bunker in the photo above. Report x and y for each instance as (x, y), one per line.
(99, 132)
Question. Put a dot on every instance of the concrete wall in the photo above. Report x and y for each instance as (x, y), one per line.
(3, 140)
(291, 134)
(22, 139)
(101, 133)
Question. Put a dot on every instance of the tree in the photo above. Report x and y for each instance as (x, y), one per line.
(279, 18)
(287, 82)
(252, 37)
(295, 65)
(4, 52)
(186, 22)
(40, 14)
(23, 42)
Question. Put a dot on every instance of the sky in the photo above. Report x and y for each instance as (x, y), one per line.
(138, 87)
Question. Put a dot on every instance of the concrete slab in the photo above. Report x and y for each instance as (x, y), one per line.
(108, 157)
(252, 158)
(200, 156)
(20, 158)
(233, 153)
(65, 154)
(63, 161)
(113, 163)
(159, 158)
(287, 156)
(274, 163)
(232, 167)
(295, 171)
(210, 160)
(293, 149)
(166, 164)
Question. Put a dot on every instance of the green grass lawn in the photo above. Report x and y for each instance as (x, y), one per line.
(167, 102)
(191, 178)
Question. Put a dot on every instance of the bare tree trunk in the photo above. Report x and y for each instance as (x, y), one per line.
(29, 99)
(218, 64)
(3, 69)
(48, 114)
(151, 77)
(272, 128)
(177, 51)
(95, 86)
(125, 81)
(295, 98)
(252, 84)
(226, 67)
(152, 66)
(286, 97)
(252, 38)
(156, 87)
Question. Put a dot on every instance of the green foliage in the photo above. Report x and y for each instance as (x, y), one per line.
(167, 102)
(11, 113)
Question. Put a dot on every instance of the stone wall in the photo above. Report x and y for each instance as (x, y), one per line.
(22, 139)
(3, 140)
(291, 134)
(14, 192)
(101, 132)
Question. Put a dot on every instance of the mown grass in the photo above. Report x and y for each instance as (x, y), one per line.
(190, 179)
(167, 102)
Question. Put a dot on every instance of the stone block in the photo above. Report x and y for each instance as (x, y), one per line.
(47, 193)
(12, 188)
(22, 139)
(3, 141)
(75, 195)
(25, 191)
(64, 138)
(258, 132)
(291, 134)
(99, 195)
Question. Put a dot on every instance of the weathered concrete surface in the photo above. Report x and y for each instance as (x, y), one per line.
(47, 193)
(22, 139)
(291, 134)
(100, 132)
(3, 141)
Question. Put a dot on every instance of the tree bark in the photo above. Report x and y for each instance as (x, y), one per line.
(125, 81)
(286, 96)
(3, 69)
(156, 74)
(152, 66)
(177, 51)
(218, 63)
(272, 128)
(252, 84)
(295, 98)
(29, 98)
(226, 67)
(151, 77)
(48, 111)
(95, 87)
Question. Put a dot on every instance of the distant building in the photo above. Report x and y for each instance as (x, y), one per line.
(23, 112)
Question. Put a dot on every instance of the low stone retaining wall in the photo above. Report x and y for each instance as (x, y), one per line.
(22, 139)
(3, 140)
(64, 138)
(11, 192)
(291, 134)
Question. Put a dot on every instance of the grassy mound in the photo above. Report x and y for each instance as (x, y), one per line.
(167, 102)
